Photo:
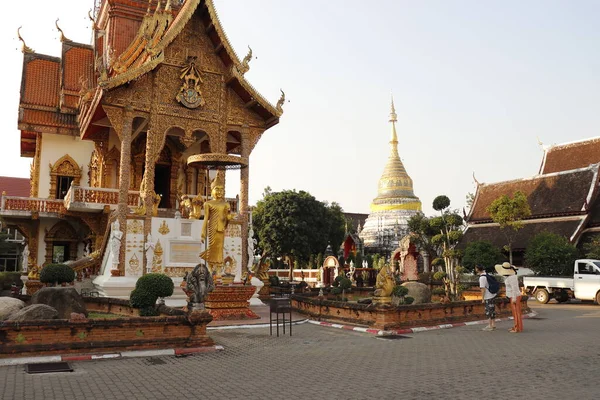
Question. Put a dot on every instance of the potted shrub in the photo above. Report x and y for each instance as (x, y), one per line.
(55, 274)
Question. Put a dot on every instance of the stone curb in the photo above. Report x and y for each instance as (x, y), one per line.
(218, 328)
(381, 332)
(123, 354)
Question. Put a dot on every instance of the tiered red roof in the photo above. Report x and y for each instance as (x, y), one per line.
(15, 186)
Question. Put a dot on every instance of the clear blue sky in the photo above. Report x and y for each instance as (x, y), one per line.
(475, 84)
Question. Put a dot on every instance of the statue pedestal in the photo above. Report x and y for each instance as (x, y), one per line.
(382, 300)
(264, 294)
(230, 302)
(255, 299)
(33, 286)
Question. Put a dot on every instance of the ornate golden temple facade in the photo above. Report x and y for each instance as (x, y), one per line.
(395, 202)
(129, 126)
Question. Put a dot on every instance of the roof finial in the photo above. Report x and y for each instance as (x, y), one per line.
(62, 35)
(245, 67)
(475, 179)
(540, 143)
(149, 7)
(94, 26)
(168, 6)
(157, 7)
(24, 48)
(280, 102)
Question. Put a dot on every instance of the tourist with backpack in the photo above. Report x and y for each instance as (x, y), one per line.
(489, 289)
(513, 292)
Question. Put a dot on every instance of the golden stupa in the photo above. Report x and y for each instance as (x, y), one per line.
(395, 202)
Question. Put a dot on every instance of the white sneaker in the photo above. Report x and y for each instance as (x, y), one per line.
(489, 328)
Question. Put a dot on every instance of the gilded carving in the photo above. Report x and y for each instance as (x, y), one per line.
(157, 260)
(164, 228)
(190, 94)
(135, 226)
(65, 166)
(134, 264)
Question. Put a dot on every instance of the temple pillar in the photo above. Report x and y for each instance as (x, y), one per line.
(124, 173)
(243, 199)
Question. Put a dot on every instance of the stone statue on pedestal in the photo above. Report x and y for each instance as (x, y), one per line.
(115, 242)
(198, 284)
(25, 260)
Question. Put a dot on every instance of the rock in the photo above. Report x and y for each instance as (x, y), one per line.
(418, 291)
(64, 300)
(34, 312)
(77, 316)
(368, 300)
(8, 306)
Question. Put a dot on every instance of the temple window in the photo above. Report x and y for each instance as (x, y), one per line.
(64, 172)
(63, 183)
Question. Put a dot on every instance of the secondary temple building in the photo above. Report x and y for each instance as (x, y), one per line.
(125, 135)
(563, 197)
(395, 202)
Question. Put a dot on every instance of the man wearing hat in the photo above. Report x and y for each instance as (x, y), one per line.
(513, 292)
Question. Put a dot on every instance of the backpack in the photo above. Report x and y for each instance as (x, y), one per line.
(493, 285)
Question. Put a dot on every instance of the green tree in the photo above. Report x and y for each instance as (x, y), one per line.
(319, 260)
(420, 227)
(550, 254)
(449, 225)
(591, 248)
(481, 253)
(509, 214)
(294, 225)
(337, 225)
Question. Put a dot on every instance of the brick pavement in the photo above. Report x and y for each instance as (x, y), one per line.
(555, 358)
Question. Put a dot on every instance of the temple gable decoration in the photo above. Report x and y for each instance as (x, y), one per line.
(190, 95)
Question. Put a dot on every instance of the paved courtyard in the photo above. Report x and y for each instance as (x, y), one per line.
(555, 358)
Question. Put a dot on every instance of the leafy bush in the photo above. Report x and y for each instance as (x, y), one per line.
(159, 284)
(57, 273)
(8, 278)
(148, 311)
(341, 284)
(140, 298)
(147, 290)
(400, 291)
(438, 276)
(274, 280)
(550, 254)
(409, 300)
(481, 253)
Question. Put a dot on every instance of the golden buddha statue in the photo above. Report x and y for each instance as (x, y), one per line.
(217, 215)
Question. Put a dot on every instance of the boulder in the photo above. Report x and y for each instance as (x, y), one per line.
(64, 300)
(418, 291)
(8, 306)
(34, 312)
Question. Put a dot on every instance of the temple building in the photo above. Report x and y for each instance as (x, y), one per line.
(125, 136)
(563, 197)
(394, 205)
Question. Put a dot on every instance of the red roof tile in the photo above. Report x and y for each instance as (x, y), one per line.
(41, 83)
(554, 194)
(569, 156)
(15, 186)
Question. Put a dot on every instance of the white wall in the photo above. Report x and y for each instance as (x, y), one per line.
(56, 146)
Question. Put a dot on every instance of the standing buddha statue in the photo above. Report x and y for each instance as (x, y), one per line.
(217, 215)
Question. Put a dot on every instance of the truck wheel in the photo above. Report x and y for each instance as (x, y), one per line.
(561, 297)
(542, 296)
(598, 298)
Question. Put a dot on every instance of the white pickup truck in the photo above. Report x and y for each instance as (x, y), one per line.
(585, 284)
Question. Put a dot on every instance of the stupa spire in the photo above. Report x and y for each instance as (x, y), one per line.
(394, 136)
